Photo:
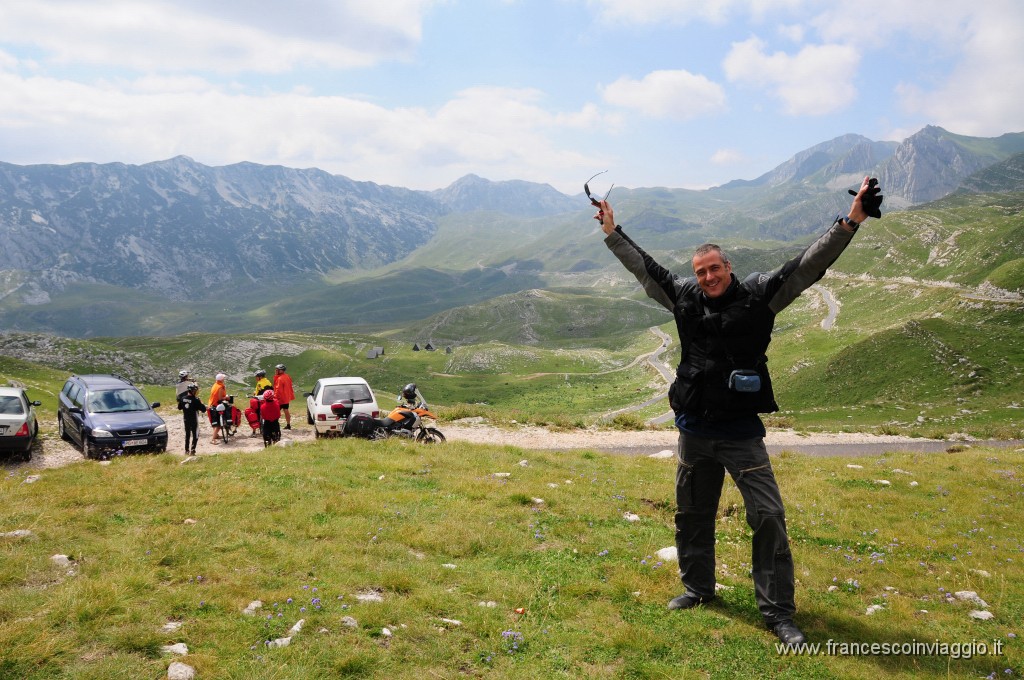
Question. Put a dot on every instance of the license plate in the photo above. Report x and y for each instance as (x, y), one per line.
(3, 429)
(135, 442)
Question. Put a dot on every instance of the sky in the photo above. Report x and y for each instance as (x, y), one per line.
(418, 93)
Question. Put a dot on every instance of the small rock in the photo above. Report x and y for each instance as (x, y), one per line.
(179, 648)
(720, 587)
(873, 609)
(489, 603)
(285, 442)
(180, 671)
(524, 463)
(349, 622)
(279, 642)
(452, 622)
(171, 626)
(854, 466)
(668, 554)
(833, 589)
(631, 517)
(253, 606)
(188, 459)
(981, 572)
(369, 596)
(386, 632)
(898, 471)
(61, 560)
(17, 533)
(189, 520)
(883, 482)
(970, 596)
(981, 615)
(537, 501)
(31, 479)
(914, 484)
(552, 485)
(663, 454)
(449, 565)
(501, 474)
(297, 628)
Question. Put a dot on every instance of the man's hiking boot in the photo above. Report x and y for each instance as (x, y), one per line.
(688, 601)
(788, 633)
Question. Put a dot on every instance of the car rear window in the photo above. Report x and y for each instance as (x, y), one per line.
(11, 406)
(359, 394)
(117, 400)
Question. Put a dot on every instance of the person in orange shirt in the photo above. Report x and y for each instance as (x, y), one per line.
(284, 392)
(217, 394)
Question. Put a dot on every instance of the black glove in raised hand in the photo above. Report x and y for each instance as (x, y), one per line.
(872, 200)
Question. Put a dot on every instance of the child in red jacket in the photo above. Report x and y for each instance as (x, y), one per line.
(270, 412)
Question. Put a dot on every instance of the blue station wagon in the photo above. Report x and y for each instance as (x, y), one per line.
(107, 413)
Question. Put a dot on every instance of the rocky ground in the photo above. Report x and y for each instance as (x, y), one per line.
(51, 452)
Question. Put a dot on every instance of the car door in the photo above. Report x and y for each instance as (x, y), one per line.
(30, 415)
(74, 423)
(311, 399)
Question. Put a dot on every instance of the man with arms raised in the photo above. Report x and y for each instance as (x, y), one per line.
(722, 384)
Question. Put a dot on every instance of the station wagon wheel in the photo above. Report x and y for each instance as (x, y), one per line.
(61, 431)
(87, 451)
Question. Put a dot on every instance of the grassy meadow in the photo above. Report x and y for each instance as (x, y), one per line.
(537, 574)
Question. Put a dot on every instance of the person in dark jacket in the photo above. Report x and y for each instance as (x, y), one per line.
(191, 406)
(722, 384)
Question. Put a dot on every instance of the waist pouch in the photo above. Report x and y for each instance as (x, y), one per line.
(745, 380)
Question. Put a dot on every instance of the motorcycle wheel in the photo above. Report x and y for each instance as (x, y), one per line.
(430, 435)
(378, 434)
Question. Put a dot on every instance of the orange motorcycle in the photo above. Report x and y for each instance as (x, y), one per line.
(403, 421)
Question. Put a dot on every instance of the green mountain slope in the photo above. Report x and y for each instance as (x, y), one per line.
(966, 239)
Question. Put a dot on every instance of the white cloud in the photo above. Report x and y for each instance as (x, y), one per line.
(792, 32)
(502, 133)
(667, 94)
(685, 11)
(728, 157)
(816, 80)
(223, 37)
(984, 93)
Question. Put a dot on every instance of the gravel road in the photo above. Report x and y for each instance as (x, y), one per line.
(51, 452)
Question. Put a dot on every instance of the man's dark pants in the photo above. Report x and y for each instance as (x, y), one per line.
(699, 477)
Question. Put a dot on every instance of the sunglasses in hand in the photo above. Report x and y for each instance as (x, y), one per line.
(586, 189)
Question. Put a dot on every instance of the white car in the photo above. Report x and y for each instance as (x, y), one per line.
(327, 391)
(18, 424)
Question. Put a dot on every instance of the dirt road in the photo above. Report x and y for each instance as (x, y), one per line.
(51, 452)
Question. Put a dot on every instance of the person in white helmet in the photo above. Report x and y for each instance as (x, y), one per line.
(184, 378)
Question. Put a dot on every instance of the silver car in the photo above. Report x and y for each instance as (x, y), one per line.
(18, 424)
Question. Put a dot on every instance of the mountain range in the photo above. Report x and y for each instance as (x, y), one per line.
(173, 246)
